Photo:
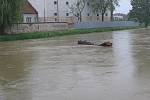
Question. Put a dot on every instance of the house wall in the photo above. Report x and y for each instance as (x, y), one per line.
(73, 19)
(34, 18)
(51, 8)
(119, 18)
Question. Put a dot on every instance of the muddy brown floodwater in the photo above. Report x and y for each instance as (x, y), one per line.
(59, 69)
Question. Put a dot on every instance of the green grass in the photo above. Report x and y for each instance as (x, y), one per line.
(37, 35)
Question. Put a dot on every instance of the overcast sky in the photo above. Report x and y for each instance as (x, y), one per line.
(124, 6)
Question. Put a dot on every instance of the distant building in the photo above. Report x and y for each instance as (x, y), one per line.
(58, 10)
(30, 15)
(120, 16)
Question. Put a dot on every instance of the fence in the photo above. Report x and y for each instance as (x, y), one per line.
(99, 24)
(53, 26)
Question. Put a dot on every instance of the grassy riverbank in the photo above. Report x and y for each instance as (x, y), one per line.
(36, 35)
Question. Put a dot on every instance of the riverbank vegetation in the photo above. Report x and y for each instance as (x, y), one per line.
(10, 12)
(37, 35)
(140, 11)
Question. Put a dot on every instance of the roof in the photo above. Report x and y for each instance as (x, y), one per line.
(119, 14)
(29, 9)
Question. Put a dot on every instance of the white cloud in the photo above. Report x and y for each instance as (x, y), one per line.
(125, 6)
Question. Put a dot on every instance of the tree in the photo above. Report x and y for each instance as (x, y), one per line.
(10, 12)
(100, 6)
(112, 5)
(77, 8)
(141, 11)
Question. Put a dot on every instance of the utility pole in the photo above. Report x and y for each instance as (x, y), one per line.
(44, 11)
(57, 10)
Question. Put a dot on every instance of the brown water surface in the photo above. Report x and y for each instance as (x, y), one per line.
(59, 69)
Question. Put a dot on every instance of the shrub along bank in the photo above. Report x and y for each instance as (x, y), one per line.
(37, 35)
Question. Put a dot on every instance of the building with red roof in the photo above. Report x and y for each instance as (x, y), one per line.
(30, 14)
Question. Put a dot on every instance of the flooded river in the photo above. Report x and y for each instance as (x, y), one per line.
(59, 69)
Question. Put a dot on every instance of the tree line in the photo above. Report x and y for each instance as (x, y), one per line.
(10, 12)
(140, 11)
(97, 6)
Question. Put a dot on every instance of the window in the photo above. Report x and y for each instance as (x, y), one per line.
(88, 3)
(78, 3)
(55, 2)
(28, 19)
(55, 19)
(67, 14)
(55, 14)
(67, 3)
(35, 19)
(106, 14)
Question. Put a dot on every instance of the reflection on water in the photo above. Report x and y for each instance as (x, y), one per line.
(59, 69)
(13, 64)
(123, 51)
